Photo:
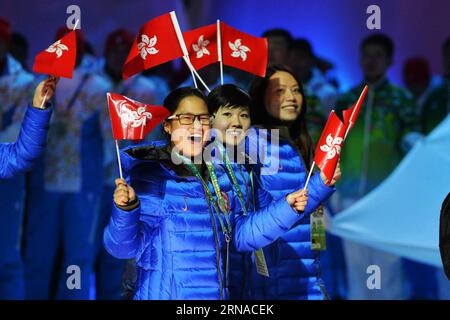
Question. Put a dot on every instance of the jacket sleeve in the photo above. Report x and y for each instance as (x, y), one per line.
(122, 235)
(20, 156)
(318, 192)
(262, 227)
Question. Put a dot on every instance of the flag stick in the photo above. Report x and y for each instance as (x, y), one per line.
(193, 79)
(118, 159)
(309, 175)
(191, 67)
(76, 24)
(354, 109)
(219, 51)
(43, 101)
(176, 26)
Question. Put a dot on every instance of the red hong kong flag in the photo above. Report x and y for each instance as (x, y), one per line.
(201, 44)
(133, 120)
(329, 147)
(156, 43)
(59, 59)
(243, 51)
(351, 114)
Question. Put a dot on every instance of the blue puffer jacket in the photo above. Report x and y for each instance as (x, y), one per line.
(176, 240)
(293, 266)
(20, 156)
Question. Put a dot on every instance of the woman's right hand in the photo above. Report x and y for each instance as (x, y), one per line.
(298, 199)
(124, 195)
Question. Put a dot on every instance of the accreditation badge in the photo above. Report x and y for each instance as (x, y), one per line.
(318, 234)
(260, 262)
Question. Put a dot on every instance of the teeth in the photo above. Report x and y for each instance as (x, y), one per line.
(290, 107)
(195, 137)
(234, 132)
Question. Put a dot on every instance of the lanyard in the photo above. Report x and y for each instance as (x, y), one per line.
(227, 230)
(234, 182)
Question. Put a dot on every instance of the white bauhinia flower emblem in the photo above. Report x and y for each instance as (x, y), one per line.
(332, 147)
(147, 46)
(239, 50)
(200, 47)
(132, 118)
(58, 48)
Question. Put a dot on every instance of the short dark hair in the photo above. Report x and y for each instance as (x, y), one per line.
(174, 98)
(227, 95)
(381, 40)
(446, 46)
(303, 45)
(278, 32)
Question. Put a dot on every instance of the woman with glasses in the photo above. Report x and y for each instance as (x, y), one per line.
(178, 220)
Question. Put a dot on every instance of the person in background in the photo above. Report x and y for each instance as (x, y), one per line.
(418, 80)
(302, 61)
(64, 194)
(16, 86)
(16, 158)
(279, 42)
(371, 153)
(437, 105)
(19, 49)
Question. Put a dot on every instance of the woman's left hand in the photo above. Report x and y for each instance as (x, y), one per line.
(336, 176)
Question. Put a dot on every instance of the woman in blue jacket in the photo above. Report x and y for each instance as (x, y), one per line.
(170, 220)
(279, 103)
(15, 158)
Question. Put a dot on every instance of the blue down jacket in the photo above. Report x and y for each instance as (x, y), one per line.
(293, 267)
(20, 156)
(175, 238)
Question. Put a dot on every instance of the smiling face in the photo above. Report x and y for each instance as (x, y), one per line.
(233, 123)
(282, 98)
(189, 139)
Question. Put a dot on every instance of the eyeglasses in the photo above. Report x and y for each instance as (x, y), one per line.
(188, 119)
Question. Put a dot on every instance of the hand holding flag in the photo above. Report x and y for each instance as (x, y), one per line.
(44, 91)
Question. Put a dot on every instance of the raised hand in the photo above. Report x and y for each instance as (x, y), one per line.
(298, 199)
(124, 194)
(44, 90)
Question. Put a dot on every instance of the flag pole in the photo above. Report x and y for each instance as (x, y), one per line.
(219, 50)
(43, 101)
(118, 159)
(184, 49)
(309, 175)
(191, 67)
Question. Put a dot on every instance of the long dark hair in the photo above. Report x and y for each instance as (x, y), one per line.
(298, 130)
